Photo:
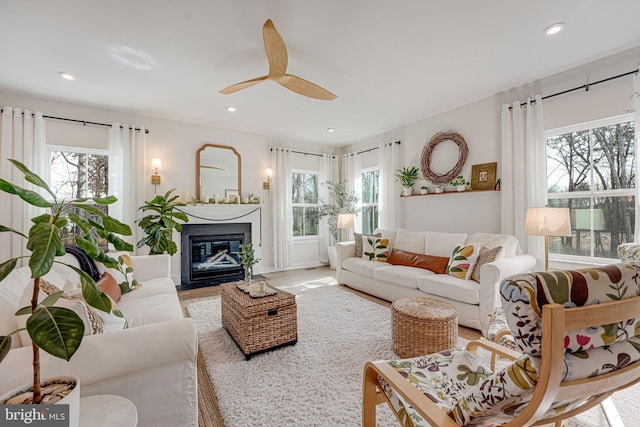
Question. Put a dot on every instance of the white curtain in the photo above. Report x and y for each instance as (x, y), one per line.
(23, 139)
(282, 208)
(126, 175)
(389, 154)
(636, 116)
(524, 170)
(352, 174)
(328, 172)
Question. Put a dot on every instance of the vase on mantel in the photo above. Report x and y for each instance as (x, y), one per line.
(247, 276)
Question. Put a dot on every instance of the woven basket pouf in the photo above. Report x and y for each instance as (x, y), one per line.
(421, 325)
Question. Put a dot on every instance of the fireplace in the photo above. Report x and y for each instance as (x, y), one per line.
(210, 253)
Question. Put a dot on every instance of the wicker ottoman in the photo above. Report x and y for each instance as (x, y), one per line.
(421, 325)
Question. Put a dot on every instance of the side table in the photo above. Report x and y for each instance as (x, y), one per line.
(107, 410)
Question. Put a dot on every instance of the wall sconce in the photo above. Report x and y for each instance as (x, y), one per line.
(156, 165)
(266, 184)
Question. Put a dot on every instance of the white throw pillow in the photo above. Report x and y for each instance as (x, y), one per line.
(442, 244)
(507, 241)
(411, 241)
(387, 234)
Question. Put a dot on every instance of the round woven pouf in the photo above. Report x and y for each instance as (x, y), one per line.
(421, 325)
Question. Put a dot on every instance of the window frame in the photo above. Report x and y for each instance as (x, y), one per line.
(81, 150)
(591, 194)
(363, 205)
(305, 205)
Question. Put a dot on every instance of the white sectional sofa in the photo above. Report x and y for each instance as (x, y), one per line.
(474, 301)
(152, 363)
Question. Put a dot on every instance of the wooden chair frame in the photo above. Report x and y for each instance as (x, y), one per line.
(556, 322)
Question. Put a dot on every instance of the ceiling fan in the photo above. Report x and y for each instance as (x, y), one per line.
(277, 56)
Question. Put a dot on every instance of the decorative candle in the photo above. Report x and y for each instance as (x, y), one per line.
(215, 197)
(205, 199)
(185, 197)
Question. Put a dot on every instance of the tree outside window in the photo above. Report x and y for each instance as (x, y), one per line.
(76, 173)
(305, 203)
(591, 170)
(370, 186)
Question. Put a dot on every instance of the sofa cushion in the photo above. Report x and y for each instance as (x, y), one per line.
(159, 286)
(444, 285)
(387, 234)
(401, 275)
(375, 248)
(442, 244)
(429, 262)
(109, 286)
(410, 241)
(486, 256)
(463, 259)
(154, 309)
(360, 266)
(358, 241)
(508, 242)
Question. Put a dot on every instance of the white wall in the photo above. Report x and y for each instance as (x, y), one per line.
(176, 144)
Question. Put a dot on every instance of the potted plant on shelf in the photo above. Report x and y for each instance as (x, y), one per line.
(159, 226)
(407, 177)
(57, 330)
(460, 183)
(424, 190)
(341, 201)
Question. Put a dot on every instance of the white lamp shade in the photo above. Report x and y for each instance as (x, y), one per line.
(268, 172)
(156, 164)
(346, 220)
(548, 222)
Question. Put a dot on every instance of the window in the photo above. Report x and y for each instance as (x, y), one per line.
(370, 185)
(591, 170)
(305, 203)
(78, 173)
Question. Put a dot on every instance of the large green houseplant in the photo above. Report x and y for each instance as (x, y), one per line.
(56, 330)
(407, 177)
(159, 225)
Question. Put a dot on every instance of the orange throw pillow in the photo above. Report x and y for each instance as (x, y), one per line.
(437, 264)
(108, 284)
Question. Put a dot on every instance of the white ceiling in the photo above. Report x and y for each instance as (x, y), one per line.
(391, 63)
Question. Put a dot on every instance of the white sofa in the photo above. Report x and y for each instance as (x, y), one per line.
(152, 363)
(474, 301)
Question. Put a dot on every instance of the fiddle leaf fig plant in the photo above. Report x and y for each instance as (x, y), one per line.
(159, 225)
(57, 330)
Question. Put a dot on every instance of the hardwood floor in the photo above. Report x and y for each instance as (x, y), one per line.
(209, 413)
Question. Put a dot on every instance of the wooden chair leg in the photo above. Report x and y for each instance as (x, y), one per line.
(369, 397)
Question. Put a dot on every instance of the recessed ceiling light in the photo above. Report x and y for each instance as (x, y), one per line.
(67, 76)
(554, 28)
(231, 109)
(331, 130)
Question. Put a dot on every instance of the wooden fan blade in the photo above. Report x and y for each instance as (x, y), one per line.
(242, 85)
(305, 87)
(275, 48)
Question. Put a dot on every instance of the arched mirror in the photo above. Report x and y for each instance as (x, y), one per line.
(217, 171)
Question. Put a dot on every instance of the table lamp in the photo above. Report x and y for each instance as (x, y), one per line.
(346, 221)
(547, 222)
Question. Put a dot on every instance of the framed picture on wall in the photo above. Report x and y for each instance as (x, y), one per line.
(483, 176)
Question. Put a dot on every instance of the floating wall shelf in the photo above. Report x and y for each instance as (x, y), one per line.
(446, 193)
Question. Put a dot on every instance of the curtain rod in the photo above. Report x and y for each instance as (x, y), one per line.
(373, 148)
(307, 154)
(584, 86)
(84, 122)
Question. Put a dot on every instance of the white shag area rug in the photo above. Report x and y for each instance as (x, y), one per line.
(318, 382)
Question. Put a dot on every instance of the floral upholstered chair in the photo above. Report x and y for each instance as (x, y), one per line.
(578, 334)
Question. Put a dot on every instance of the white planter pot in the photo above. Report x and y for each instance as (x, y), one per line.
(407, 191)
(424, 191)
(333, 257)
(461, 188)
(439, 190)
(72, 399)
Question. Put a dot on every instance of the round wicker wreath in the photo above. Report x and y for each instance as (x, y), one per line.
(436, 178)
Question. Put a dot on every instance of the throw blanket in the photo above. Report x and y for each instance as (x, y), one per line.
(86, 263)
